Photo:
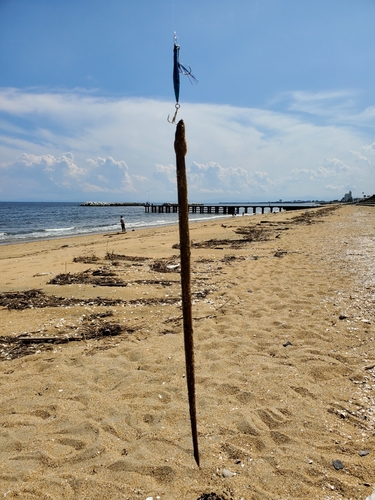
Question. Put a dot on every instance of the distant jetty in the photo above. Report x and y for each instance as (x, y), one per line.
(111, 204)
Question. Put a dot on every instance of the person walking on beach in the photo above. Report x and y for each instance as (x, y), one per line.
(122, 222)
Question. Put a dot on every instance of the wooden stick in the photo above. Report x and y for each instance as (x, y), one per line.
(180, 148)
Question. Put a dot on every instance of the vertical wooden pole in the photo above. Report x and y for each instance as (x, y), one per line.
(180, 148)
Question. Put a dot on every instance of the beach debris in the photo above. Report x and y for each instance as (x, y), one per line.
(104, 330)
(306, 218)
(86, 259)
(94, 316)
(249, 234)
(372, 496)
(231, 258)
(227, 473)
(343, 316)
(168, 332)
(287, 344)
(216, 243)
(311, 217)
(204, 260)
(210, 496)
(363, 453)
(115, 256)
(337, 464)
(154, 282)
(180, 148)
(98, 277)
(252, 233)
(24, 300)
(280, 253)
(30, 299)
(165, 266)
(29, 343)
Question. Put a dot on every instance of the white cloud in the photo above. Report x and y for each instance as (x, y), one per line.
(333, 103)
(54, 168)
(359, 157)
(369, 149)
(101, 175)
(334, 166)
(165, 173)
(110, 175)
(214, 177)
(69, 144)
(336, 189)
(330, 168)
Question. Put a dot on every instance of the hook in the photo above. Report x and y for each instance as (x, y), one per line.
(177, 106)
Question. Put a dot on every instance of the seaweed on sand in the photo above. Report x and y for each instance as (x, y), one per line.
(34, 298)
(30, 343)
(251, 233)
(311, 217)
(210, 496)
(30, 299)
(115, 256)
(99, 277)
(166, 265)
(86, 259)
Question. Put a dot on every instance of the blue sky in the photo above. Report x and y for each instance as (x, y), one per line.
(284, 107)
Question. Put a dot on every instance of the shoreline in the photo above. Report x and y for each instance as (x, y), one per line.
(285, 362)
(93, 233)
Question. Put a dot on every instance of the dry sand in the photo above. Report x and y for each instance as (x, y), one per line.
(283, 308)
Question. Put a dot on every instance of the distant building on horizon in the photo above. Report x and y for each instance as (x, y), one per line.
(348, 197)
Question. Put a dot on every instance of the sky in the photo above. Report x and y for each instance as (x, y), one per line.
(284, 107)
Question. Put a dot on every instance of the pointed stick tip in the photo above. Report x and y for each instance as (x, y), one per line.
(180, 145)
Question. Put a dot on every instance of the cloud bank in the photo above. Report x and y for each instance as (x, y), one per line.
(75, 146)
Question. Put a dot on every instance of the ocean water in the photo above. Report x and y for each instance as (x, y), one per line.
(30, 221)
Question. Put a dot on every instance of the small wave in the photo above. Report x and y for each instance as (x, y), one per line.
(59, 229)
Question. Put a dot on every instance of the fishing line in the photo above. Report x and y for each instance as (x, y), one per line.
(174, 15)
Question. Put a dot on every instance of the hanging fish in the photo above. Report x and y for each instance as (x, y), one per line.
(177, 69)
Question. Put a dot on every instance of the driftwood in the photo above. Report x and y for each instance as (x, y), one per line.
(26, 344)
(183, 215)
(31, 340)
(90, 332)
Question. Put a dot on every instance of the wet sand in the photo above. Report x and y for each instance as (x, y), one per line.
(283, 310)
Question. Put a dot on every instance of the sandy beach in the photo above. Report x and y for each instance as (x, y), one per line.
(93, 388)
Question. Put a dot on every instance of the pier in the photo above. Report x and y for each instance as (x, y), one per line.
(212, 208)
(230, 209)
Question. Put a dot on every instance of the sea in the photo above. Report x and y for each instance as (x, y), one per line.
(30, 221)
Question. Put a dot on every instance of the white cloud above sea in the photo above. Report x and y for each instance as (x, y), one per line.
(67, 145)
